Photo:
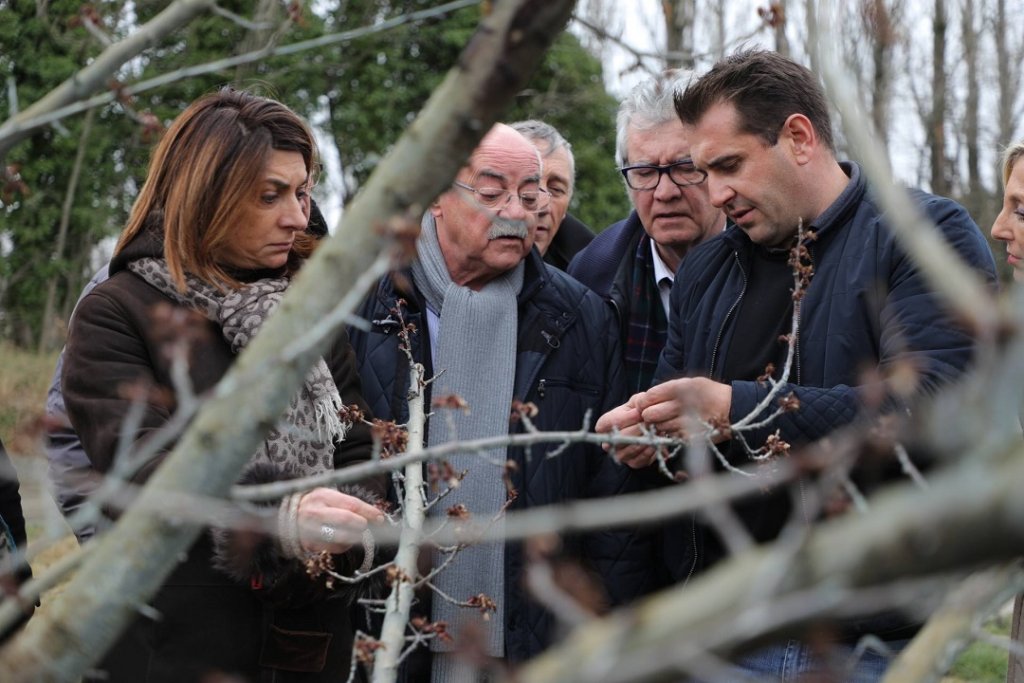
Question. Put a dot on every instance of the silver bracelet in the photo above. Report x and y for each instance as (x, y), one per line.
(288, 526)
(282, 526)
(369, 547)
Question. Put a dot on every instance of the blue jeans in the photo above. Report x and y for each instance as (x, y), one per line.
(788, 662)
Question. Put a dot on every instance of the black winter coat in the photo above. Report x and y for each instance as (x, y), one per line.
(867, 307)
(606, 264)
(568, 363)
(573, 235)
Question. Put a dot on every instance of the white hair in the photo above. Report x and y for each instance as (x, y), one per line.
(537, 131)
(649, 104)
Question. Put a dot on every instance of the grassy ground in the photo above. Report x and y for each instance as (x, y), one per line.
(982, 662)
(24, 380)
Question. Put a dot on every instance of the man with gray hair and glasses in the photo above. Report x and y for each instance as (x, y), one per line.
(632, 263)
(560, 235)
(495, 325)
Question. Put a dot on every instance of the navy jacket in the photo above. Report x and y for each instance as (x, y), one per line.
(568, 363)
(867, 307)
(605, 264)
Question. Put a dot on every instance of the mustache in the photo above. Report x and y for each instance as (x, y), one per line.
(503, 227)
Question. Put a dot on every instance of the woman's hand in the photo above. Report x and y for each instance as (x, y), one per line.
(333, 521)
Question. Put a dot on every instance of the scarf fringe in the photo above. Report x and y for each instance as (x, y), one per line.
(329, 425)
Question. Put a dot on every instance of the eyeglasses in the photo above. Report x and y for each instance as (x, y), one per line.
(496, 198)
(647, 176)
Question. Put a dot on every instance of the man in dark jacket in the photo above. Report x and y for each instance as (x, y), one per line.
(560, 235)
(493, 325)
(762, 133)
(632, 263)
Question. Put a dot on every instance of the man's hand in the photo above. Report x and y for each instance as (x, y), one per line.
(671, 405)
(626, 419)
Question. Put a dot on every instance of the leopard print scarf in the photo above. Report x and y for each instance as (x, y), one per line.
(302, 441)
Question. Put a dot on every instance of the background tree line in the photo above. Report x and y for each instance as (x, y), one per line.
(70, 185)
(940, 80)
(969, 517)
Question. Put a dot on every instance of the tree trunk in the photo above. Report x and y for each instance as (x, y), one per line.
(936, 133)
(680, 17)
(1008, 68)
(268, 12)
(137, 554)
(878, 21)
(811, 21)
(779, 28)
(47, 333)
(975, 199)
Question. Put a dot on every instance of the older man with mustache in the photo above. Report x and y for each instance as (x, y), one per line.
(495, 324)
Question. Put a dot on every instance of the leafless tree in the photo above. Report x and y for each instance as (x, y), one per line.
(1009, 67)
(977, 201)
(935, 131)
(680, 24)
(912, 543)
(881, 24)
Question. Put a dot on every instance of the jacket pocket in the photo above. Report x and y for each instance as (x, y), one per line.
(553, 387)
(304, 651)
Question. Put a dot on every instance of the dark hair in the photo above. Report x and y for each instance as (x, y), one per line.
(765, 88)
(203, 170)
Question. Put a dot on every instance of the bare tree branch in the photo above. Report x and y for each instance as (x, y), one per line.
(399, 603)
(140, 551)
(100, 71)
(19, 127)
(950, 629)
(969, 515)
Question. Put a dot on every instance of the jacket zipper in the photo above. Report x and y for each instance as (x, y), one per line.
(711, 371)
(799, 381)
(732, 309)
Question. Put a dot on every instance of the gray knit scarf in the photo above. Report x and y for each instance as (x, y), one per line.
(302, 442)
(475, 358)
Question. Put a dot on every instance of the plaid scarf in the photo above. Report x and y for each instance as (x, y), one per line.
(647, 327)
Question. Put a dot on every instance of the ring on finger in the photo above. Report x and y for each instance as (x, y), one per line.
(327, 533)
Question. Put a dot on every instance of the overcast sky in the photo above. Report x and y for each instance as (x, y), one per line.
(639, 23)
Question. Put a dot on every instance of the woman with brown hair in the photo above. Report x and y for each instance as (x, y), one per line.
(213, 240)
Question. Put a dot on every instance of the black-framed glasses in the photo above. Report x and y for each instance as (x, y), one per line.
(497, 198)
(647, 176)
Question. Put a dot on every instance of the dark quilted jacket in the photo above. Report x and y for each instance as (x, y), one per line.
(867, 306)
(605, 264)
(568, 363)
